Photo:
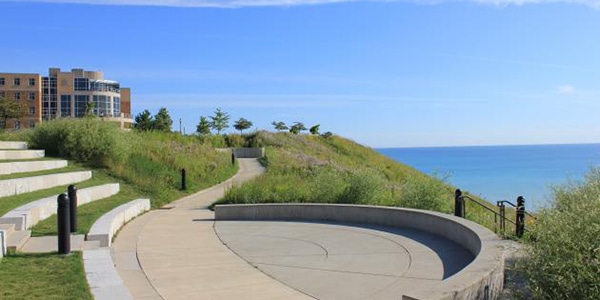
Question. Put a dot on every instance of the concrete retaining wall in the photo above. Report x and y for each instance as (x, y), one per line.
(106, 226)
(248, 152)
(21, 154)
(13, 145)
(31, 166)
(11, 187)
(104, 280)
(481, 279)
(3, 239)
(26, 216)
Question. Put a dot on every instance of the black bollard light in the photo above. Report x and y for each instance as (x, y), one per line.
(183, 180)
(459, 204)
(63, 224)
(232, 158)
(520, 220)
(72, 191)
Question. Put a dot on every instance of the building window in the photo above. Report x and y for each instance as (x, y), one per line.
(31, 81)
(31, 124)
(65, 105)
(32, 110)
(31, 96)
(17, 81)
(81, 102)
(2, 95)
(1, 80)
(82, 84)
(2, 124)
(17, 96)
(17, 124)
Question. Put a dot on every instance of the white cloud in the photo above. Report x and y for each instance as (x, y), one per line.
(566, 89)
(250, 3)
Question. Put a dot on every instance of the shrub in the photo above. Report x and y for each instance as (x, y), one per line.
(366, 187)
(425, 193)
(86, 140)
(563, 260)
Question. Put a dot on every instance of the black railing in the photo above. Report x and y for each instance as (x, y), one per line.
(500, 218)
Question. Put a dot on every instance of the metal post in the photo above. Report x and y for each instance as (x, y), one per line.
(520, 219)
(183, 180)
(72, 191)
(232, 157)
(502, 210)
(459, 204)
(63, 224)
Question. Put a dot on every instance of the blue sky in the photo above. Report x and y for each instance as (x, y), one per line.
(383, 73)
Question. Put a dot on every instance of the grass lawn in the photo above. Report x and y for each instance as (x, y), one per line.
(48, 276)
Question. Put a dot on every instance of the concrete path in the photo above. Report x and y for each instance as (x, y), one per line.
(175, 254)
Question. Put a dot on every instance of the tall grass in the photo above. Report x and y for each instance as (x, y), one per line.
(563, 260)
(303, 168)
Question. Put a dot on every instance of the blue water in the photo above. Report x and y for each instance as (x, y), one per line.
(504, 172)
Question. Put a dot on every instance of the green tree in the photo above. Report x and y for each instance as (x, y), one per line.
(162, 120)
(242, 124)
(297, 128)
(315, 129)
(220, 121)
(279, 126)
(203, 127)
(143, 121)
(9, 109)
(89, 109)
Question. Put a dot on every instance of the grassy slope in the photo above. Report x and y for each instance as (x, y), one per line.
(304, 168)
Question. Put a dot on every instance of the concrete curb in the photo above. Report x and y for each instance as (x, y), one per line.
(13, 145)
(21, 154)
(26, 216)
(483, 278)
(105, 283)
(106, 226)
(12, 187)
(31, 166)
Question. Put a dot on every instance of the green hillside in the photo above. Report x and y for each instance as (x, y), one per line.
(333, 169)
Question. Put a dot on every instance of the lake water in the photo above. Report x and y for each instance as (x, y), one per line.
(503, 172)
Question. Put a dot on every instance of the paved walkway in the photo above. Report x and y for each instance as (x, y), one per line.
(175, 254)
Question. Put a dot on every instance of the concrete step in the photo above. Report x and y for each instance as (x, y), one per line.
(7, 228)
(44, 244)
(17, 239)
(21, 154)
(29, 214)
(13, 145)
(5, 231)
(30, 166)
(16, 186)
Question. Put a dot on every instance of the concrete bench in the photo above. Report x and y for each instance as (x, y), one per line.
(483, 278)
(12, 187)
(21, 154)
(102, 277)
(13, 145)
(26, 216)
(30, 166)
(106, 226)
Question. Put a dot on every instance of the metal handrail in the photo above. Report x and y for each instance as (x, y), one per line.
(515, 206)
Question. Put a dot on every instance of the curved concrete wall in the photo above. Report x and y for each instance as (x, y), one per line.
(481, 279)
